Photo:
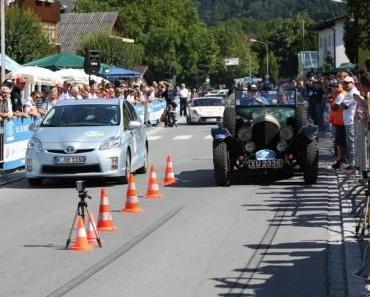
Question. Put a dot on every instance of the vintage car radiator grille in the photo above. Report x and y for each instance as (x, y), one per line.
(265, 135)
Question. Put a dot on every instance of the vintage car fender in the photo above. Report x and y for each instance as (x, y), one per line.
(220, 134)
(309, 131)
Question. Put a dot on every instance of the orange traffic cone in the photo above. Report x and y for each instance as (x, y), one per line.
(91, 235)
(169, 178)
(153, 188)
(81, 243)
(132, 201)
(105, 221)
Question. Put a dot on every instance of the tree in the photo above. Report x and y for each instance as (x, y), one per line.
(25, 39)
(112, 49)
(357, 28)
(170, 32)
(285, 40)
(232, 43)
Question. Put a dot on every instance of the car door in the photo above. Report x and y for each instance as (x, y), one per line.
(138, 142)
(127, 136)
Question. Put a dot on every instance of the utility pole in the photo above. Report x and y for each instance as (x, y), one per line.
(2, 37)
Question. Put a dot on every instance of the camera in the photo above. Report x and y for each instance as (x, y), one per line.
(80, 186)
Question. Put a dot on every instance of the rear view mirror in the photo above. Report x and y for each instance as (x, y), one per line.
(32, 127)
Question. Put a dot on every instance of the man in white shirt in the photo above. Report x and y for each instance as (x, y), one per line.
(348, 104)
(184, 95)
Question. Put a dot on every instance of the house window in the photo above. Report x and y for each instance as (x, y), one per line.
(320, 42)
(51, 30)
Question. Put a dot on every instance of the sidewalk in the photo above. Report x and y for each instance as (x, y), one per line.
(11, 176)
(348, 254)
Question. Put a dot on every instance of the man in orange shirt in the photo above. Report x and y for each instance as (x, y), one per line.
(336, 119)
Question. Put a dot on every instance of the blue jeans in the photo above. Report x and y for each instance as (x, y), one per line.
(350, 144)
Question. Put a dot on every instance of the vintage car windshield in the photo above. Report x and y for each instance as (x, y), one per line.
(264, 98)
(82, 115)
(281, 113)
(208, 102)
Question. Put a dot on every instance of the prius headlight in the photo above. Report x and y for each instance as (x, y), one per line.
(34, 144)
(111, 142)
(245, 134)
(286, 133)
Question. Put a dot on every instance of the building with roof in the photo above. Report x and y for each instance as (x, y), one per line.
(48, 11)
(331, 43)
(73, 26)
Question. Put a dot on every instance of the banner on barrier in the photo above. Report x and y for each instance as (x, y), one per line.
(16, 136)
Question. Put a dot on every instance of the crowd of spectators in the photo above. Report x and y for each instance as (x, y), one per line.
(40, 101)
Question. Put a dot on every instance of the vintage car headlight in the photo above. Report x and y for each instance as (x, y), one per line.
(250, 147)
(281, 146)
(110, 143)
(245, 134)
(35, 144)
(286, 132)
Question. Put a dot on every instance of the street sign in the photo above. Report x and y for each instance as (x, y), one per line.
(232, 61)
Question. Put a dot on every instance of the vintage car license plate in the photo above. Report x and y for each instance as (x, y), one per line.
(66, 160)
(261, 164)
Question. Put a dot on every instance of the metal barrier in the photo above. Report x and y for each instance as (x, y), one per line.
(361, 146)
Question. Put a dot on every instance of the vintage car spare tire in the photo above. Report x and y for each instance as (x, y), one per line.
(230, 119)
(221, 164)
(301, 115)
(311, 162)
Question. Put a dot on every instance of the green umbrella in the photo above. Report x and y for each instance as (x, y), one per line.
(61, 61)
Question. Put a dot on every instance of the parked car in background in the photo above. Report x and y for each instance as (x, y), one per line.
(87, 138)
(205, 110)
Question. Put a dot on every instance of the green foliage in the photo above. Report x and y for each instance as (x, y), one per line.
(232, 43)
(214, 11)
(25, 40)
(357, 28)
(170, 32)
(286, 39)
(113, 51)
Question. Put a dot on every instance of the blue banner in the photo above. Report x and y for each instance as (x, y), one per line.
(16, 136)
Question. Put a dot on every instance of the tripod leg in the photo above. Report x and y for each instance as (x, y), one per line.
(70, 232)
(94, 227)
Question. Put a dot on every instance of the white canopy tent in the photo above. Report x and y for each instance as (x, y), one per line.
(77, 75)
(36, 75)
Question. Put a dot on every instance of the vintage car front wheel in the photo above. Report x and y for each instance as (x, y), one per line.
(221, 164)
(311, 163)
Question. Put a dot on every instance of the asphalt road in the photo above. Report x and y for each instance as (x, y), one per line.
(256, 238)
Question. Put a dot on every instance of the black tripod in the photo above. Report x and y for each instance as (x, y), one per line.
(81, 207)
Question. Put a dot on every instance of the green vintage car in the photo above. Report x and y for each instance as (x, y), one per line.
(265, 133)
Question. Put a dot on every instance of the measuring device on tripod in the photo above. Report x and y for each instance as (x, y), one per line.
(82, 208)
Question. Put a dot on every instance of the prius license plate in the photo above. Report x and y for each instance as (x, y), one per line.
(265, 164)
(68, 160)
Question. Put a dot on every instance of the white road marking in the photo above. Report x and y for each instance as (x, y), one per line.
(154, 137)
(182, 137)
(208, 137)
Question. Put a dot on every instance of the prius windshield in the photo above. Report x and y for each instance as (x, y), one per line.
(82, 115)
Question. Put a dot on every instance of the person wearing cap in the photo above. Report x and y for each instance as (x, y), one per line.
(349, 104)
(16, 95)
(254, 97)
